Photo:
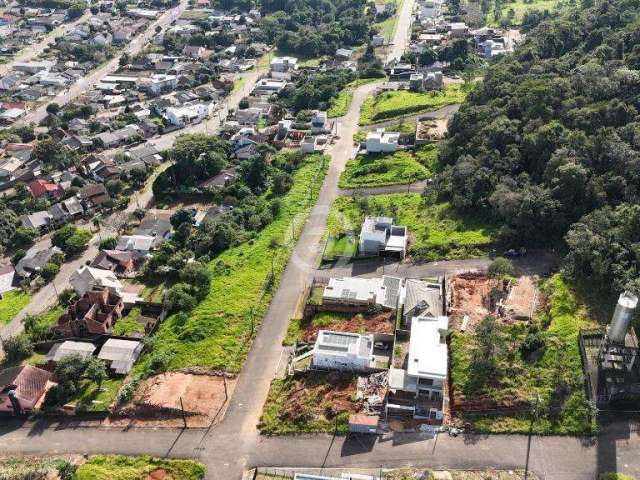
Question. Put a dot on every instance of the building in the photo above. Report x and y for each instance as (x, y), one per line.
(417, 390)
(343, 351)
(119, 262)
(41, 188)
(458, 29)
(186, 114)
(7, 273)
(86, 278)
(93, 314)
(159, 83)
(120, 355)
(379, 236)
(377, 40)
(268, 86)
(422, 297)
(284, 64)
(139, 244)
(156, 227)
(362, 292)
(22, 388)
(33, 262)
(38, 220)
(94, 195)
(318, 122)
(381, 141)
(70, 347)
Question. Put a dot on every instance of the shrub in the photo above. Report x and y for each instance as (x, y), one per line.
(49, 271)
(501, 267)
(179, 297)
(17, 347)
(108, 243)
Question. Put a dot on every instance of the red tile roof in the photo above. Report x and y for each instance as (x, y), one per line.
(41, 187)
(29, 382)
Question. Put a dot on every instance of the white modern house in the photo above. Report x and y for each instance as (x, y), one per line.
(343, 351)
(379, 235)
(284, 64)
(158, 83)
(140, 244)
(381, 141)
(417, 390)
(358, 292)
(186, 114)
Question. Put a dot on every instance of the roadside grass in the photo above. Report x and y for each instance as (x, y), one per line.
(379, 170)
(121, 467)
(238, 85)
(341, 246)
(321, 320)
(388, 105)
(89, 399)
(436, 231)
(341, 103)
(555, 374)
(315, 402)
(388, 27)
(11, 303)
(218, 332)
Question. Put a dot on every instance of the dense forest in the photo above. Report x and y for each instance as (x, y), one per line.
(548, 145)
(313, 28)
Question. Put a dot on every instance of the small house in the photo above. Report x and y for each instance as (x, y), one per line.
(22, 388)
(86, 278)
(379, 236)
(381, 141)
(343, 351)
(59, 350)
(120, 355)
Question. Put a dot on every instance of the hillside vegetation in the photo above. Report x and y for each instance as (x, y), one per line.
(548, 144)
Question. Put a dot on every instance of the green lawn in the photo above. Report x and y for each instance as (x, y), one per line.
(121, 467)
(555, 375)
(11, 303)
(436, 231)
(298, 405)
(341, 103)
(388, 105)
(218, 332)
(378, 170)
(387, 28)
(90, 399)
(129, 324)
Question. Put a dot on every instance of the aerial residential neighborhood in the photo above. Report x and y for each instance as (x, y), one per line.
(365, 240)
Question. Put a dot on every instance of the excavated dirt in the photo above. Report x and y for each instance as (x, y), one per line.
(380, 323)
(470, 297)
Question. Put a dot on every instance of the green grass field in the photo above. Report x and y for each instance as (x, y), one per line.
(341, 246)
(388, 27)
(556, 375)
(519, 7)
(401, 167)
(218, 332)
(435, 230)
(121, 467)
(11, 303)
(341, 103)
(90, 399)
(388, 105)
(320, 320)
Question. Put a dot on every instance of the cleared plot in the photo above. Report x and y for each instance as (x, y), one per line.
(520, 8)
(436, 230)
(341, 103)
(498, 371)
(306, 330)
(388, 105)
(120, 467)
(377, 170)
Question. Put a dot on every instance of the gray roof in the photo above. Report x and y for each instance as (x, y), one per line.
(35, 260)
(392, 291)
(428, 297)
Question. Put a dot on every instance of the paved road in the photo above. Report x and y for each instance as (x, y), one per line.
(83, 84)
(30, 52)
(403, 31)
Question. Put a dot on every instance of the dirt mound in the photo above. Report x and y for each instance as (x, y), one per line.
(159, 474)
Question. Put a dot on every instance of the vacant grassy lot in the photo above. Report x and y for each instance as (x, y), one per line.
(341, 103)
(388, 105)
(553, 370)
(121, 467)
(218, 332)
(342, 246)
(90, 399)
(519, 7)
(387, 28)
(378, 170)
(320, 320)
(436, 231)
(129, 325)
(11, 303)
(313, 402)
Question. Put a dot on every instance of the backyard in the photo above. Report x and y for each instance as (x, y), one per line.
(313, 402)
(90, 398)
(505, 366)
(401, 167)
(11, 303)
(436, 231)
(218, 332)
(388, 105)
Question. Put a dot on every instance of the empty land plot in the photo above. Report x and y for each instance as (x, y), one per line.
(520, 8)
(436, 231)
(11, 303)
(306, 330)
(498, 371)
(388, 105)
(218, 332)
(311, 402)
(378, 170)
